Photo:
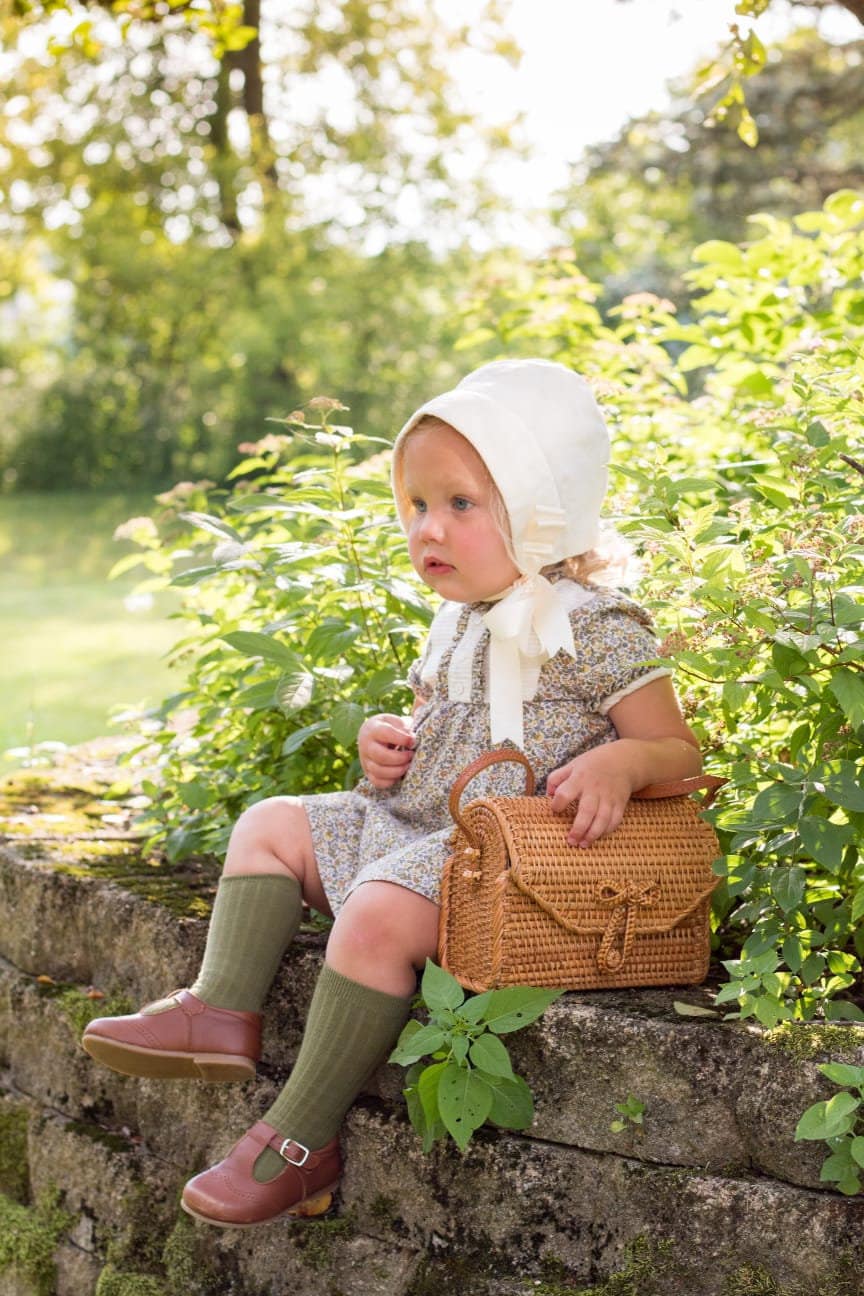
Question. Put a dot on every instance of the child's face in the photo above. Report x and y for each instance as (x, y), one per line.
(454, 541)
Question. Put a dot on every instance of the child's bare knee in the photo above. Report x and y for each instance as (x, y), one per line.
(273, 832)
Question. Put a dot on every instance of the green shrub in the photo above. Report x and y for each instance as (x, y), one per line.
(302, 623)
(739, 479)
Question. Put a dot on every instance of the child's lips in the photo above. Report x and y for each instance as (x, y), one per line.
(437, 566)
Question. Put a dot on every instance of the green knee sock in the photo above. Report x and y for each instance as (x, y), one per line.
(348, 1031)
(255, 918)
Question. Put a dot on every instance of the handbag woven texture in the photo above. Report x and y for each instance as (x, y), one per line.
(520, 906)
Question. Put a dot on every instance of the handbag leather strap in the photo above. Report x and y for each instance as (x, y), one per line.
(709, 783)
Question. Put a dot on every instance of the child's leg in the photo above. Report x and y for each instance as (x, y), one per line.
(269, 870)
(382, 936)
(213, 1030)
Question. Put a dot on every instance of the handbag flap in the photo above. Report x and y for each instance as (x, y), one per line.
(653, 871)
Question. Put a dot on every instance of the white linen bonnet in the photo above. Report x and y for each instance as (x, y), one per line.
(540, 433)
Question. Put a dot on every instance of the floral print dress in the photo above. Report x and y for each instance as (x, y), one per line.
(401, 834)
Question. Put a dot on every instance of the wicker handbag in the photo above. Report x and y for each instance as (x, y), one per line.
(520, 906)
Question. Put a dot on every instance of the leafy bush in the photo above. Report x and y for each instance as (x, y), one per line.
(740, 482)
(302, 623)
(471, 1078)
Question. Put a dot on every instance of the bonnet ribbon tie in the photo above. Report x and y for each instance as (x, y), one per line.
(526, 627)
(623, 900)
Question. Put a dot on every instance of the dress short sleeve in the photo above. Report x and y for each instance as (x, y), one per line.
(616, 651)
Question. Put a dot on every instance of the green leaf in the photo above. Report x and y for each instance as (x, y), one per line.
(858, 905)
(296, 740)
(770, 1010)
(841, 1073)
(439, 989)
(258, 697)
(512, 1103)
(812, 968)
(517, 1006)
(824, 841)
(692, 1010)
(427, 1088)
(848, 688)
(856, 1147)
(776, 804)
(464, 1101)
(841, 1010)
(253, 644)
(345, 721)
(788, 888)
(215, 526)
(474, 1007)
(195, 795)
(793, 954)
(844, 787)
(490, 1055)
(428, 1039)
(840, 1113)
(813, 1123)
(838, 1167)
(459, 1045)
(294, 690)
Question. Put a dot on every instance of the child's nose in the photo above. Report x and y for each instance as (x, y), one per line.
(431, 525)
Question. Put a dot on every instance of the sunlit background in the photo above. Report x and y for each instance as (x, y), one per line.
(157, 304)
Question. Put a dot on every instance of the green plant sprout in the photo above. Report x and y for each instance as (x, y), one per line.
(631, 1112)
(471, 1078)
(840, 1122)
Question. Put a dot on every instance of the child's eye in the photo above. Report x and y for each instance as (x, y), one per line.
(461, 504)
(418, 505)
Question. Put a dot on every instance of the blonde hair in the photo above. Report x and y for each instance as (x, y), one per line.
(607, 563)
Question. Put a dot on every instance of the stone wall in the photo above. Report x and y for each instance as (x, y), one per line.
(710, 1197)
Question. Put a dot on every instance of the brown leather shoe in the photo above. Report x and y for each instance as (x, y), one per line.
(227, 1195)
(179, 1037)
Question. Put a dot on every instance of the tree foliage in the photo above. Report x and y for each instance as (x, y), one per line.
(219, 235)
(670, 180)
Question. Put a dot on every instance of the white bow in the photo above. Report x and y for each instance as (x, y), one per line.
(526, 628)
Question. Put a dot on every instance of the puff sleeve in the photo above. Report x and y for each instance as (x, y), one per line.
(616, 651)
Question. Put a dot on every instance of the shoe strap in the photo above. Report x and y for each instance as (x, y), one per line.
(296, 1154)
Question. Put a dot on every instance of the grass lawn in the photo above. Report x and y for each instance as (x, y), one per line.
(70, 650)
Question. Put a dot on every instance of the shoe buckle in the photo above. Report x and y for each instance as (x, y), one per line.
(292, 1143)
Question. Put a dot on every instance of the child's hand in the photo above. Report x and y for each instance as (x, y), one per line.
(385, 745)
(599, 784)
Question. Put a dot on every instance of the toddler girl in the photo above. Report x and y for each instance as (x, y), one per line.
(498, 485)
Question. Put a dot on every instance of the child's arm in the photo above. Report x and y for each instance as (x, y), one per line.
(654, 745)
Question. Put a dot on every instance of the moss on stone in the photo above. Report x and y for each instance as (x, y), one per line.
(14, 1169)
(117, 1282)
(105, 1138)
(649, 1270)
(79, 1009)
(46, 820)
(186, 1268)
(750, 1280)
(384, 1209)
(457, 1276)
(805, 1040)
(28, 1240)
(315, 1238)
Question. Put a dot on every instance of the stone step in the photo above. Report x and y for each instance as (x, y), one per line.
(510, 1214)
(711, 1196)
(123, 1222)
(717, 1095)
